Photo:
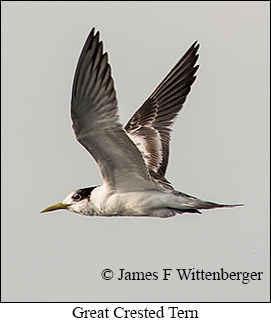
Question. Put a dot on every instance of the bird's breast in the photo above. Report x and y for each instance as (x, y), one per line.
(139, 203)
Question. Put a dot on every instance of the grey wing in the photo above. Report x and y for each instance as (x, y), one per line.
(150, 126)
(94, 113)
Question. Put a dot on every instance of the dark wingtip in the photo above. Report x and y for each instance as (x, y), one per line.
(195, 45)
(91, 33)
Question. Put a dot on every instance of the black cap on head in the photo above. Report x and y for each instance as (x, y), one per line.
(83, 192)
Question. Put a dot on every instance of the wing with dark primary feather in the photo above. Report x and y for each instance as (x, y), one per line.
(150, 126)
(94, 113)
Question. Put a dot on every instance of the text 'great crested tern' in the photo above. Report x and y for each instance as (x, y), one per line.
(132, 160)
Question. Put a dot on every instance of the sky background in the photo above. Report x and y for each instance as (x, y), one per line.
(219, 151)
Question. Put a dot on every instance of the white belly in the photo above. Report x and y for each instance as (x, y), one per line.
(145, 203)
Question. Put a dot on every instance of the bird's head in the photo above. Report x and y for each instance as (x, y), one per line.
(77, 201)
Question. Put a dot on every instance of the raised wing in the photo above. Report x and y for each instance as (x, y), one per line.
(94, 113)
(150, 126)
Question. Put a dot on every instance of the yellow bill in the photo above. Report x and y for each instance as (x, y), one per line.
(54, 207)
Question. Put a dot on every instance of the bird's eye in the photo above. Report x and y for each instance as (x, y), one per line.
(76, 197)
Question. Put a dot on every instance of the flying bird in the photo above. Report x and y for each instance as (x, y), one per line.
(132, 159)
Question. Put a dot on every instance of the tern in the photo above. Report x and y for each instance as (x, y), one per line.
(132, 159)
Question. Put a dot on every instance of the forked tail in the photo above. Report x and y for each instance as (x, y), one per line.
(193, 204)
(212, 205)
